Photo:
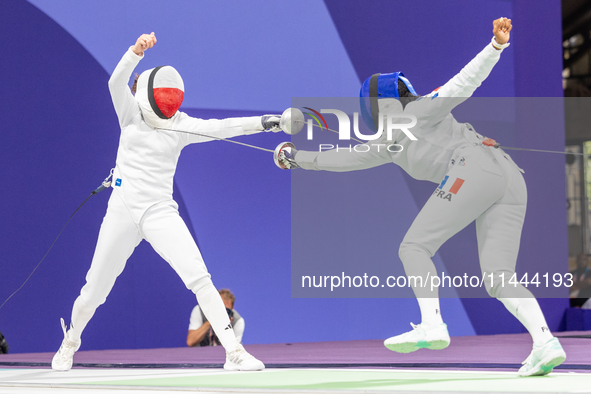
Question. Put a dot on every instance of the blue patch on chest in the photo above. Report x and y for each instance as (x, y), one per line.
(118, 182)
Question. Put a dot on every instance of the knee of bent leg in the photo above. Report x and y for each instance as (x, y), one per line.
(497, 284)
(505, 285)
(493, 289)
(94, 296)
(407, 249)
(200, 283)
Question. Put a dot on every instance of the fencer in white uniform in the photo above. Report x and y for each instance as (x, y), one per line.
(476, 183)
(141, 205)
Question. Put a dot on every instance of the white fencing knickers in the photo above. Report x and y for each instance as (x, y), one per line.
(484, 185)
(168, 234)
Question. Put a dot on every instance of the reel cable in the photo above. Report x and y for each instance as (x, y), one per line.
(104, 185)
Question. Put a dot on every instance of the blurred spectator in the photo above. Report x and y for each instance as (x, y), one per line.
(3, 344)
(580, 291)
(200, 331)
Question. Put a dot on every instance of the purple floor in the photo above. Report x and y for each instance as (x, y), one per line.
(485, 351)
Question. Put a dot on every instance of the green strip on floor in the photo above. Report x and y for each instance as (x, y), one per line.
(372, 380)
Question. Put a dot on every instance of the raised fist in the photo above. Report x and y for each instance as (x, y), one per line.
(145, 41)
(501, 29)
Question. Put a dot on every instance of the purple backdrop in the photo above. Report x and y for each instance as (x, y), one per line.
(60, 133)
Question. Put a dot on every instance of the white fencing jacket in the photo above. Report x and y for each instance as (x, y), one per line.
(437, 131)
(147, 157)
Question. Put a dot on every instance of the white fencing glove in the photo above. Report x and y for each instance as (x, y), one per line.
(271, 123)
(284, 156)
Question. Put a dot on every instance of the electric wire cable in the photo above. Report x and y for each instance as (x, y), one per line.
(217, 138)
(99, 189)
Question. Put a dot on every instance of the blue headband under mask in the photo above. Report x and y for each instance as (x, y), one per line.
(379, 86)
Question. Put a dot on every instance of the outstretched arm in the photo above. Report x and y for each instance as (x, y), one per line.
(197, 130)
(123, 101)
(474, 73)
(435, 106)
(360, 157)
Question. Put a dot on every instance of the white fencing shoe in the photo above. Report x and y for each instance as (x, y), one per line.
(422, 336)
(63, 359)
(240, 360)
(543, 359)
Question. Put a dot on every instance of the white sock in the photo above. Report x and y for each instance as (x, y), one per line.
(81, 315)
(529, 313)
(430, 311)
(214, 310)
(417, 263)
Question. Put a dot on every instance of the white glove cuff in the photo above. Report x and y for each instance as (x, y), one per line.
(497, 45)
(306, 159)
(132, 53)
(251, 125)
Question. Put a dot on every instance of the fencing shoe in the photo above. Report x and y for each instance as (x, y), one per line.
(240, 360)
(421, 337)
(63, 359)
(543, 359)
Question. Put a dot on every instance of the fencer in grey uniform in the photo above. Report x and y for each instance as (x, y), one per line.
(476, 183)
(141, 205)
